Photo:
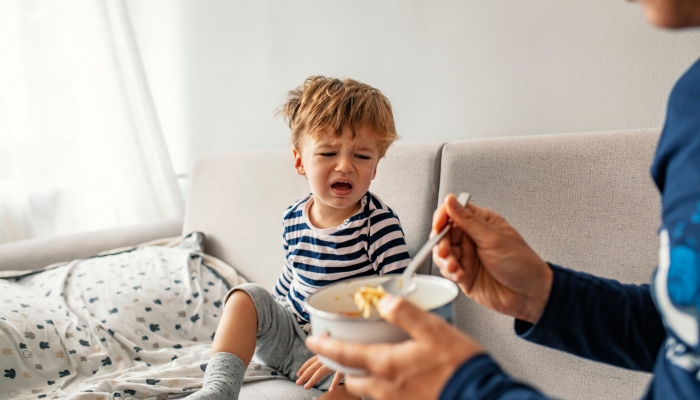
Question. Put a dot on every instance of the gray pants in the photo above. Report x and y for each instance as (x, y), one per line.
(280, 342)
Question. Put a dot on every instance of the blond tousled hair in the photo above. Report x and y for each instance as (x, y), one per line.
(322, 103)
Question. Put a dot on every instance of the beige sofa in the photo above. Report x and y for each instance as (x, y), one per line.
(584, 201)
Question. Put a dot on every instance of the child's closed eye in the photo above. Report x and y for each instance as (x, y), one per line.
(362, 156)
(328, 154)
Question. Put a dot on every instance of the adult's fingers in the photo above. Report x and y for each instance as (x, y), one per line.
(417, 323)
(440, 218)
(466, 218)
(346, 353)
(490, 217)
(369, 386)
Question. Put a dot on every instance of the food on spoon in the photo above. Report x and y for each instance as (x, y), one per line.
(368, 296)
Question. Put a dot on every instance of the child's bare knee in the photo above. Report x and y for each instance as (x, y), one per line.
(239, 301)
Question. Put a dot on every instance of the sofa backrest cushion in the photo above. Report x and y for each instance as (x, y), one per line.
(237, 200)
(583, 201)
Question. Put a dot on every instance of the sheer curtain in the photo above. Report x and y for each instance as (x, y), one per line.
(80, 143)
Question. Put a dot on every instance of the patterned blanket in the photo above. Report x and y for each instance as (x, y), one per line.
(134, 324)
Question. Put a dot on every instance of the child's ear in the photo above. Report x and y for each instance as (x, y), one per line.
(298, 162)
(375, 172)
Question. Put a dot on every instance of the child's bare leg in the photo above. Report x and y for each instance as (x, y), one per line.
(238, 328)
(339, 394)
(231, 351)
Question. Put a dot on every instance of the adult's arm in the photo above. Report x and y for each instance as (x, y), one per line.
(676, 171)
(599, 319)
(481, 378)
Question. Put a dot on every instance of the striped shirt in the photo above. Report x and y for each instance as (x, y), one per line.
(371, 242)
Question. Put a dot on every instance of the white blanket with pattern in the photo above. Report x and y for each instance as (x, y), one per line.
(138, 323)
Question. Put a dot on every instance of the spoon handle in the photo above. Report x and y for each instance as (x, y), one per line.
(427, 248)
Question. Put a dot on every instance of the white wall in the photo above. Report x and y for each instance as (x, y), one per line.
(452, 69)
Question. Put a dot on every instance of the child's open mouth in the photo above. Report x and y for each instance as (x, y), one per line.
(341, 188)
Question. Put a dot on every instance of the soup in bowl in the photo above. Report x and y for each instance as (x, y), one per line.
(333, 312)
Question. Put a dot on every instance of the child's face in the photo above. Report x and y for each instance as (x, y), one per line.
(339, 169)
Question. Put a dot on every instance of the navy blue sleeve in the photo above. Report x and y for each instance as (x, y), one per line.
(676, 171)
(481, 378)
(598, 319)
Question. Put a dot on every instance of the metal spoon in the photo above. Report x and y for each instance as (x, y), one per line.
(402, 285)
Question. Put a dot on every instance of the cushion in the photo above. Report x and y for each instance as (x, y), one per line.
(584, 201)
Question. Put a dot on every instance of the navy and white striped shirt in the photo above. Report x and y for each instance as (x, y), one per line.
(370, 242)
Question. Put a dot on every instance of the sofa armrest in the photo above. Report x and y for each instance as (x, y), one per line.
(38, 253)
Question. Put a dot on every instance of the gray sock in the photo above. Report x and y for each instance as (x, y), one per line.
(222, 379)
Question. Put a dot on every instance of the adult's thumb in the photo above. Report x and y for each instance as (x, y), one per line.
(417, 323)
(467, 219)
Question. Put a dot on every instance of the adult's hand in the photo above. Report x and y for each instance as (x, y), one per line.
(490, 261)
(418, 368)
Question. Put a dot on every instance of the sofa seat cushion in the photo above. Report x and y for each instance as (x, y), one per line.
(277, 389)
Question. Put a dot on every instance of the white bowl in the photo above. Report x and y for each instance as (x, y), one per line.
(334, 312)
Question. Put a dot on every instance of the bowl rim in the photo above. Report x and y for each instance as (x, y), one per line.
(336, 316)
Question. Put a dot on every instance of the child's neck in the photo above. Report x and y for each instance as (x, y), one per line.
(322, 216)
